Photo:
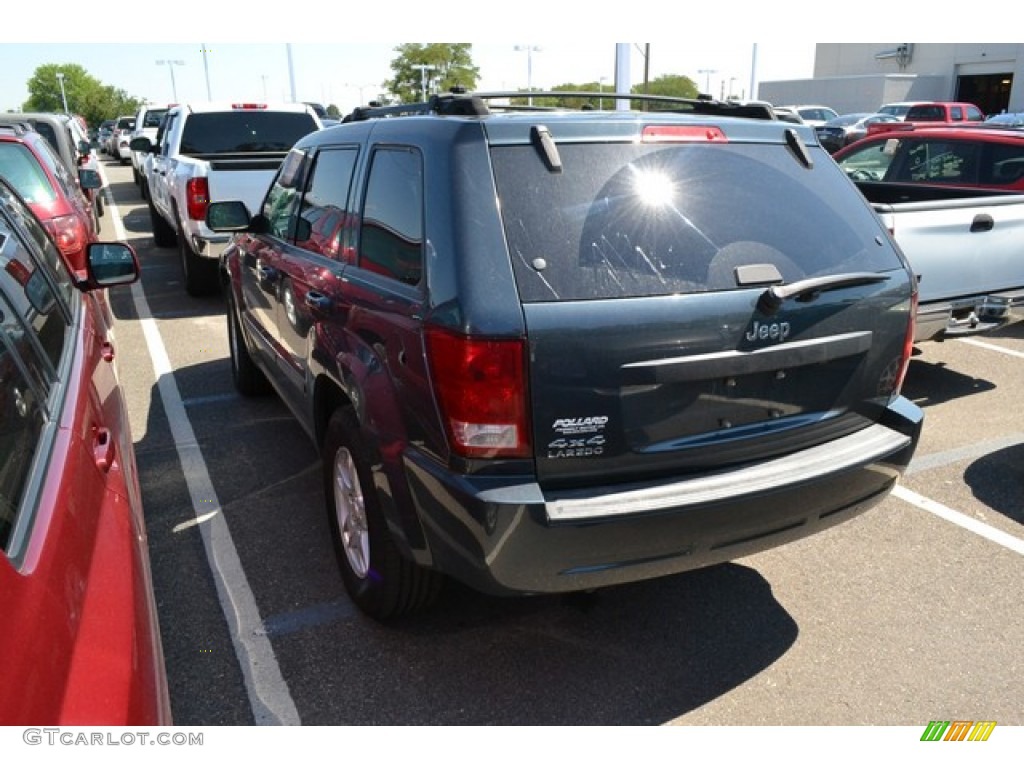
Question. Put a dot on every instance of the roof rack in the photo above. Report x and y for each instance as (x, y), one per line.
(460, 102)
(18, 127)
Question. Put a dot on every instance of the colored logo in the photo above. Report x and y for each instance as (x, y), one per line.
(958, 730)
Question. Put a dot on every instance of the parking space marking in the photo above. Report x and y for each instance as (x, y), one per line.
(269, 697)
(939, 459)
(993, 347)
(959, 518)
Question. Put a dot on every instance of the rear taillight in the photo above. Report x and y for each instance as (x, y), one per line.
(908, 343)
(481, 390)
(69, 234)
(197, 195)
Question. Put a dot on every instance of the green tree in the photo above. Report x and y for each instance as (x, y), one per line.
(86, 96)
(442, 66)
(669, 85)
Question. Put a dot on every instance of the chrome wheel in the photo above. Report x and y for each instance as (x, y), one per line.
(350, 512)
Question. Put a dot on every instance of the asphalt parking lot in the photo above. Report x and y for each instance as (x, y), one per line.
(908, 614)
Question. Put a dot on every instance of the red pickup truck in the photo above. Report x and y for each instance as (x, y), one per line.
(931, 112)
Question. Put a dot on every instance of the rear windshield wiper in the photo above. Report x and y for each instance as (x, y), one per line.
(811, 288)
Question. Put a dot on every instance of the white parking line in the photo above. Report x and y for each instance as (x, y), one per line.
(993, 347)
(959, 518)
(269, 697)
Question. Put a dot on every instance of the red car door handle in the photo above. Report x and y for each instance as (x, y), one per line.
(103, 448)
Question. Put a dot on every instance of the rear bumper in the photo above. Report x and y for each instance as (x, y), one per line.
(967, 316)
(503, 537)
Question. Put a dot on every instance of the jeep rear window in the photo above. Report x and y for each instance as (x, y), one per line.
(626, 220)
(213, 133)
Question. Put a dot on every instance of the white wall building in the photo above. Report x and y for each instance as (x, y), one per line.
(860, 77)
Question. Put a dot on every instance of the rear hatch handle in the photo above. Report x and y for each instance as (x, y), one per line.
(809, 289)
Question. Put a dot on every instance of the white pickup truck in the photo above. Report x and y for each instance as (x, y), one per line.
(214, 151)
(966, 245)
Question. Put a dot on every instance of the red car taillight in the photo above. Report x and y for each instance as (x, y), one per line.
(70, 236)
(481, 389)
(197, 195)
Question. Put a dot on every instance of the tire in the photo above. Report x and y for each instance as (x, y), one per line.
(200, 274)
(135, 176)
(163, 234)
(380, 581)
(249, 380)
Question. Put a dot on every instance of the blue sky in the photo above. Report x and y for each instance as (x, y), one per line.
(342, 72)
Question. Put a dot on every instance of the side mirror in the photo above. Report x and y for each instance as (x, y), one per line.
(141, 144)
(110, 264)
(89, 178)
(84, 147)
(228, 216)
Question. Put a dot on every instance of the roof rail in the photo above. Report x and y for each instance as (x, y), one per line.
(18, 127)
(481, 104)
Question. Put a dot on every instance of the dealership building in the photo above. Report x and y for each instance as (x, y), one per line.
(860, 77)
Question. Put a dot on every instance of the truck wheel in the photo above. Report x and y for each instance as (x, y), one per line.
(135, 176)
(200, 274)
(163, 234)
(380, 581)
(248, 378)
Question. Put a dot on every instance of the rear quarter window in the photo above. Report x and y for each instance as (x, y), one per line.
(633, 220)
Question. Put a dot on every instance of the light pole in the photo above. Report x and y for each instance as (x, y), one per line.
(171, 64)
(63, 95)
(707, 78)
(423, 68)
(529, 68)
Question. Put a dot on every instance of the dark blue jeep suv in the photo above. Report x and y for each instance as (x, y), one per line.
(552, 350)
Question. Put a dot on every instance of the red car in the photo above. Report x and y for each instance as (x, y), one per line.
(80, 643)
(987, 158)
(61, 203)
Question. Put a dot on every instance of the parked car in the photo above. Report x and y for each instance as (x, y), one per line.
(939, 155)
(896, 108)
(68, 138)
(813, 114)
(53, 193)
(103, 135)
(1006, 120)
(846, 129)
(788, 115)
(120, 138)
(81, 640)
(552, 352)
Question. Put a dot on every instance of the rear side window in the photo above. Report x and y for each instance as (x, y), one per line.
(152, 118)
(391, 234)
(21, 168)
(212, 133)
(637, 220)
(324, 212)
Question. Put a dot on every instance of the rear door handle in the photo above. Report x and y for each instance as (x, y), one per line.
(319, 302)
